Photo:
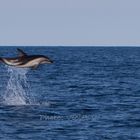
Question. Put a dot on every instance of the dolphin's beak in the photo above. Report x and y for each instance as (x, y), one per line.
(49, 61)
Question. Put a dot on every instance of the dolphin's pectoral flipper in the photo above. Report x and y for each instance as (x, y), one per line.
(34, 67)
(21, 53)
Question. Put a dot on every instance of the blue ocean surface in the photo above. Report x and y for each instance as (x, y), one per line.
(88, 93)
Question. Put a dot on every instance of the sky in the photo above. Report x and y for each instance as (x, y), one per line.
(70, 22)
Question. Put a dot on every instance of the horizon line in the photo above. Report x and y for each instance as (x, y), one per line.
(69, 45)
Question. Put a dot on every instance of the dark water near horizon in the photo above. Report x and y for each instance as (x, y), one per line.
(86, 94)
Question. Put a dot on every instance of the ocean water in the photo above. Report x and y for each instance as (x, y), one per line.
(88, 93)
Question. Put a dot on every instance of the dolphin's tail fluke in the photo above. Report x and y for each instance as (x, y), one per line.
(1, 60)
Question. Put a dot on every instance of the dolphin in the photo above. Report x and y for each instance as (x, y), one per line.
(26, 61)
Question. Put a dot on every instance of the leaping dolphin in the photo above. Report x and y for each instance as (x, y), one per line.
(26, 61)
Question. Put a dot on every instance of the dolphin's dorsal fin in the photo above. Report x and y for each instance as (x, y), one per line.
(21, 53)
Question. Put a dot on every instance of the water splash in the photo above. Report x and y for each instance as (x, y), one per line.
(17, 90)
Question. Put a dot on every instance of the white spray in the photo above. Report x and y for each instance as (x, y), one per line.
(17, 90)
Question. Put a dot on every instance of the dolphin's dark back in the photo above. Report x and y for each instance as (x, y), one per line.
(31, 57)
